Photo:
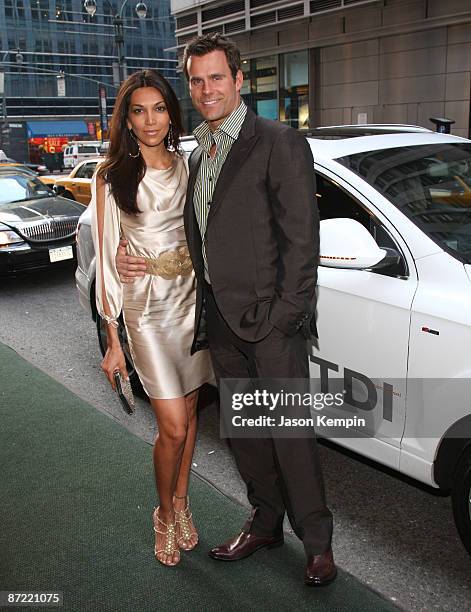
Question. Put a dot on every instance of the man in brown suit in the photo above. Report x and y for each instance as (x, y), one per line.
(252, 228)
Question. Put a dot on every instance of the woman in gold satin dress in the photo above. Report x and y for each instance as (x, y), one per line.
(139, 193)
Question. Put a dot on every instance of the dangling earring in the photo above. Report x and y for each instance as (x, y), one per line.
(170, 144)
(131, 133)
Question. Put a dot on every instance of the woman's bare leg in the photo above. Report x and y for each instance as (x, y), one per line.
(181, 489)
(172, 422)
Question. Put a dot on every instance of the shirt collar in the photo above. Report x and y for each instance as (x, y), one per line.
(230, 126)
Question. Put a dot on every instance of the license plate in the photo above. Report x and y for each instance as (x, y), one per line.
(61, 253)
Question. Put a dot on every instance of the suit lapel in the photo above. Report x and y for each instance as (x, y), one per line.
(194, 165)
(237, 156)
(191, 224)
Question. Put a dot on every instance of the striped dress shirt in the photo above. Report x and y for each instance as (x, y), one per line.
(210, 168)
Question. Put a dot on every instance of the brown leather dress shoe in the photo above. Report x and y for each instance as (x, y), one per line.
(320, 569)
(244, 545)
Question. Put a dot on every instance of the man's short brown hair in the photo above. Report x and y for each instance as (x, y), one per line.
(201, 45)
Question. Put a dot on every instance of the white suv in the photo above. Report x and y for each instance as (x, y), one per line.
(76, 152)
(394, 298)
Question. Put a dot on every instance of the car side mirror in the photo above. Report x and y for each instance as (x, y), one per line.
(58, 189)
(392, 258)
(345, 243)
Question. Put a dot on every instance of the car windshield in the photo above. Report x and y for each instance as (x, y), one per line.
(20, 186)
(431, 184)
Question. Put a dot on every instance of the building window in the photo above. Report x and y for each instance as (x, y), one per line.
(63, 11)
(8, 8)
(246, 89)
(294, 89)
(260, 88)
(40, 9)
(265, 86)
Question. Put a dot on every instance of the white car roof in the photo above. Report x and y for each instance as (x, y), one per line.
(331, 148)
(90, 160)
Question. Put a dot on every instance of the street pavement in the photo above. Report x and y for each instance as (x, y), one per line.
(392, 533)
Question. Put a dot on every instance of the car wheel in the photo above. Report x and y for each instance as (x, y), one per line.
(68, 195)
(461, 499)
(102, 340)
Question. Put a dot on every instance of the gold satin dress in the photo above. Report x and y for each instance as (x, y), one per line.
(158, 308)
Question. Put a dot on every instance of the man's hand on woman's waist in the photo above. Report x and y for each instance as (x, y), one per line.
(129, 267)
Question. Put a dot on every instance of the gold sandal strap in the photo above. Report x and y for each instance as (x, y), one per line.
(170, 544)
(187, 530)
(184, 518)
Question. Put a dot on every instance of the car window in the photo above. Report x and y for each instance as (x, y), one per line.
(16, 187)
(334, 203)
(88, 149)
(90, 170)
(86, 171)
(77, 172)
(430, 184)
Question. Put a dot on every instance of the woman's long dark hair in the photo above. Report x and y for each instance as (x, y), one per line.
(120, 170)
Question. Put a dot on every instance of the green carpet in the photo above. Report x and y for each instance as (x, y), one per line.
(77, 494)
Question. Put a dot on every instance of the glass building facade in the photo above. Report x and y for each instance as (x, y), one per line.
(49, 36)
(275, 87)
(334, 62)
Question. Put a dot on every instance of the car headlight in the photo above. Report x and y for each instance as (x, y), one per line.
(8, 237)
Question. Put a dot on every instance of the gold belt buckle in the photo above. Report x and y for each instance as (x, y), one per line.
(170, 264)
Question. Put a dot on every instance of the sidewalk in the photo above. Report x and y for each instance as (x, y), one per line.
(77, 497)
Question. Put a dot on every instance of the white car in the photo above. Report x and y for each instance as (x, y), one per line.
(78, 151)
(394, 297)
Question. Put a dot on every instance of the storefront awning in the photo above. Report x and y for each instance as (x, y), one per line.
(38, 129)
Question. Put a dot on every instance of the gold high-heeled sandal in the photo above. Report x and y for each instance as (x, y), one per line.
(185, 527)
(170, 546)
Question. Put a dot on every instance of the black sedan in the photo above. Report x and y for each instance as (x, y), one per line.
(37, 228)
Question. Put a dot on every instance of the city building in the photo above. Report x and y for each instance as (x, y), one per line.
(55, 53)
(329, 62)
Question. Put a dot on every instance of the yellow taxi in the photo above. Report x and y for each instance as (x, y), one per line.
(49, 179)
(35, 169)
(77, 185)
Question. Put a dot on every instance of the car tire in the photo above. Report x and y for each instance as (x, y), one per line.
(68, 195)
(101, 331)
(461, 498)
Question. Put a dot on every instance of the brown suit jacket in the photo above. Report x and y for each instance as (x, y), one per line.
(262, 237)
